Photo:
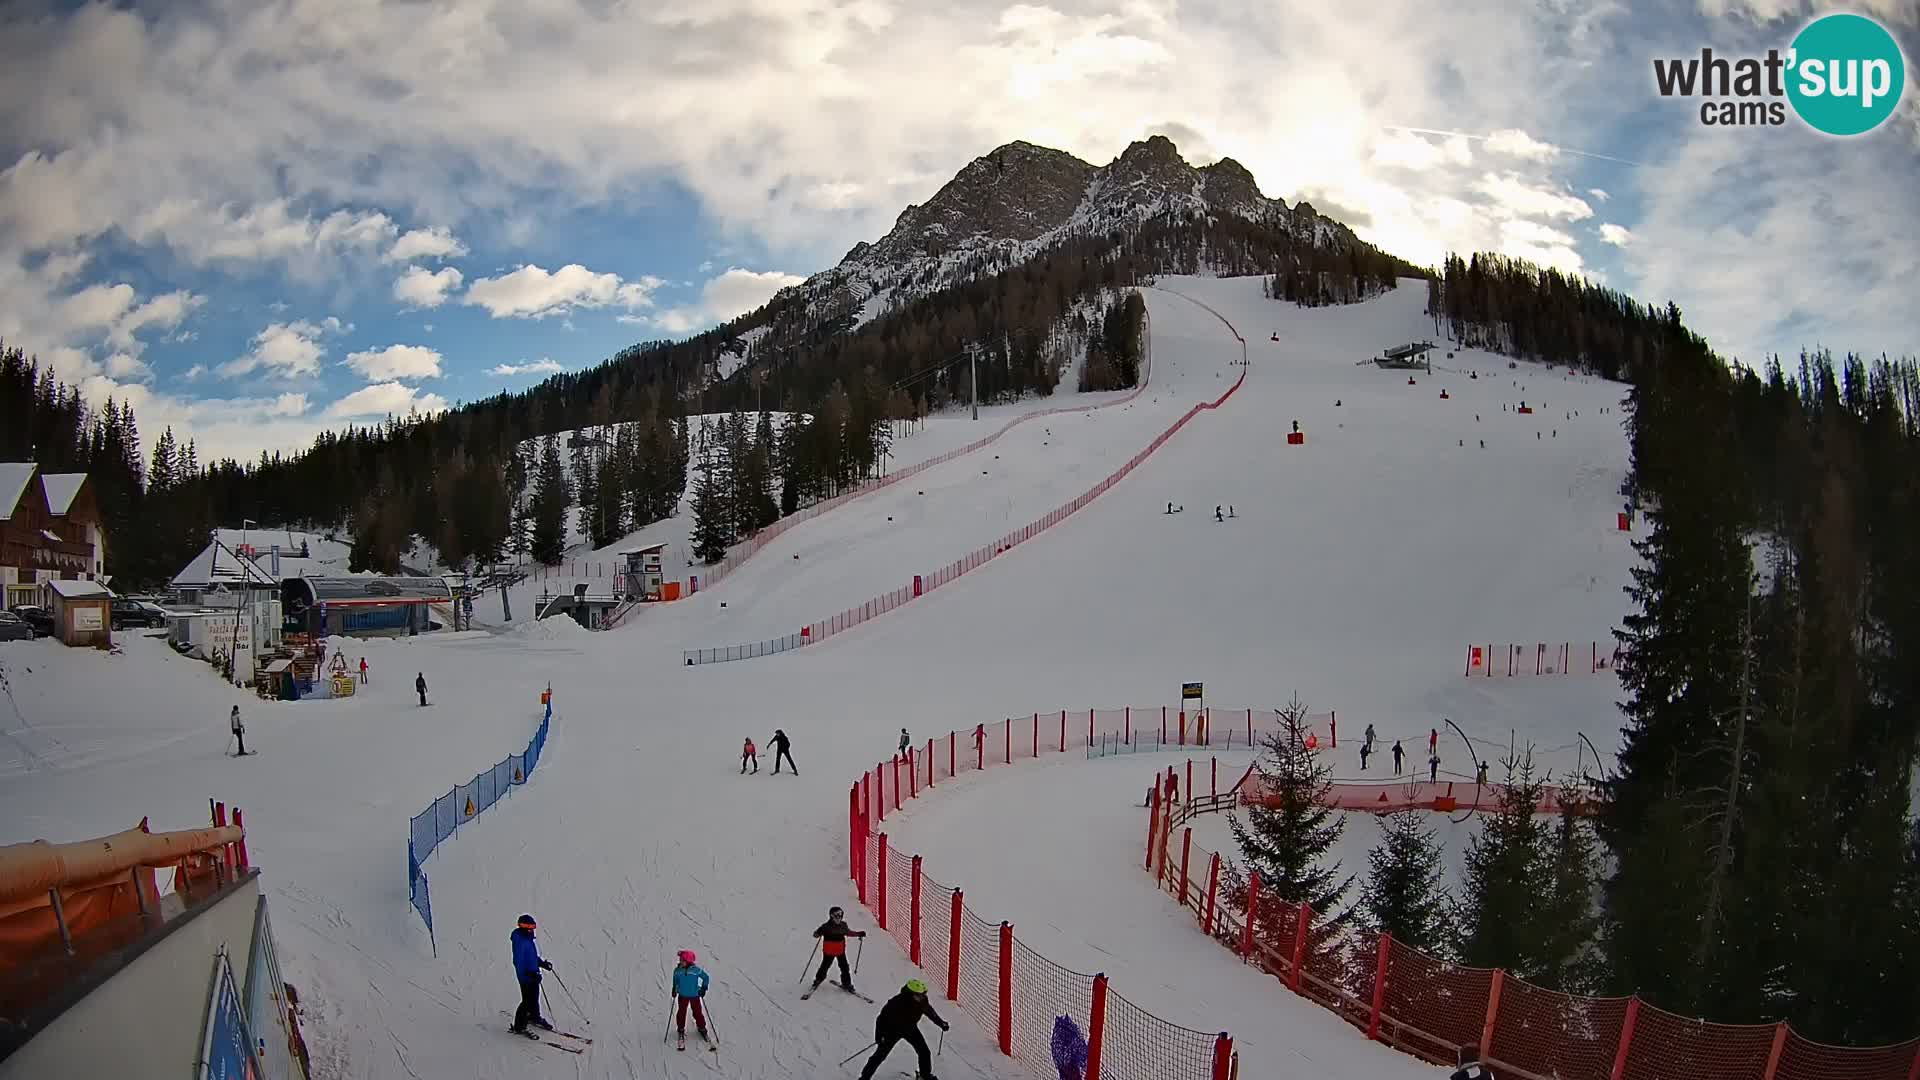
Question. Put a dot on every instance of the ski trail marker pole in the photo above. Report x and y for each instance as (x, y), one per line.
(809, 967)
(860, 1051)
(584, 1018)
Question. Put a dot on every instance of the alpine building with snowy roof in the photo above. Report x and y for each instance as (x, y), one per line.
(49, 529)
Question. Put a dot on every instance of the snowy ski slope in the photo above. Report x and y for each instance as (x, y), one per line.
(1356, 571)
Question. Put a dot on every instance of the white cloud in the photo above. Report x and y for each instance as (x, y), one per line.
(542, 366)
(288, 350)
(731, 293)
(532, 292)
(1516, 143)
(288, 404)
(437, 242)
(194, 373)
(396, 362)
(1514, 197)
(272, 231)
(122, 365)
(385, 399)
(1599, 194)
(423, 288)
(1616, 235)
(1410, 150)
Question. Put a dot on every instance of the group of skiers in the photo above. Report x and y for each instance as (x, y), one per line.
(782, 750)
(1367, 750)
(897, 1022)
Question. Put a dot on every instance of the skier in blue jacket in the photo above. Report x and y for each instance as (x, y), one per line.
(527, 965)
(689, 986)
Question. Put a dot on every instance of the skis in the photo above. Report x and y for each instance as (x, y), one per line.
(534, 1036)
(552, 1031)
(712, 1047)
(855, 993)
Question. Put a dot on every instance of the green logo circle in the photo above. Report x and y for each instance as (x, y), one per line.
(1845, 74)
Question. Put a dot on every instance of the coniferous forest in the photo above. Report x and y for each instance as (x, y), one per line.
(1755, 855)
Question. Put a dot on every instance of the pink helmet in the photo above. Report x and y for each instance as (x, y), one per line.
(686, 956)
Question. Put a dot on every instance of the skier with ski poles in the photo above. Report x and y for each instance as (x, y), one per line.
(782, 748)
(749, 754)
(239, 730)
(833, 936)
(898, 1022)
(689, 986)
(527, 965)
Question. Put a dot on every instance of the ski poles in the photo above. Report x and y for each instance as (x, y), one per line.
(859, 951)
(860, 1051)
(809, 967)
(584, 1018)
(712, 1028)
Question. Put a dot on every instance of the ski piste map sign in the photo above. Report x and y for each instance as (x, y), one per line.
(226, 1050)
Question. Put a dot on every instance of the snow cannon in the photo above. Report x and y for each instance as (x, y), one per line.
(1296, 437)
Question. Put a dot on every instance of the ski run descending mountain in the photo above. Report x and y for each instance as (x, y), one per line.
(1355, 571)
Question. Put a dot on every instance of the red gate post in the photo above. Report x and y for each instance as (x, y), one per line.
(240, 845)
(1186, 853)
(951, 740)
(980, 748)
(1222, 1056)
(1063, 731)
(1379, 985)
(1333, 725)
(1213, 892)
(1626, 1040)
(880, 796)
(1249, 727)
(931, 762)
(954, 918)
(1009, 741)
(1036, 736)
(1493, 1013)
(913, 912)
(853, 832)
(913, 775)
(1089, 729)
(1153, 823)
(1215, 789)
(1253, 912)
(1097, 1026)
(1163, 725)
(1127, 738)
(1189, 783)
(1006, 989)
(881, 877)
(1182, 730)
(1773, 1055)
(896, 781)
(1303, 921)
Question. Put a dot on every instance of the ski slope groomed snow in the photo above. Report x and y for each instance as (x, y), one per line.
(1354, 572)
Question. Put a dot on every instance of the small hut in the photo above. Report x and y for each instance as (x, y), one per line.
(82, 612)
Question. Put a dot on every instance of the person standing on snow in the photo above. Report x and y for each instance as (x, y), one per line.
(420, 685)
(747, 754)
(898, 1022)
(239, 730)
(363, 671)
(905, 741)
(689, 986)
(1365, 749)
(527, 965)
(1433, 769)
(782, 748)
(1369, 738)
(1397, 753)
(833, 936)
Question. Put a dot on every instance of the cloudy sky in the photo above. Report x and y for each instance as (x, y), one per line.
(254, 218)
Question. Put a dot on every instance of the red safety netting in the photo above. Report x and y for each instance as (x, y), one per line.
(1555, 1034)
(1435, 1006)
(1804, 1059)
(936, 934)
(1665, 1045)
(1043, 990)
(899, 897)
(1141, 1046)
(980, 970)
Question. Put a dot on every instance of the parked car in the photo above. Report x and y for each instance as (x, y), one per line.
(37, 617)
(15, 628)
(128, 613)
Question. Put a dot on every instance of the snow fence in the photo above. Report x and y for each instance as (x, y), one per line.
(464, 803)
(978, 962)
(1429, 1007)
(922, 584)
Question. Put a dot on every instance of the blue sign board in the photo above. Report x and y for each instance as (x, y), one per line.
(226, 1052)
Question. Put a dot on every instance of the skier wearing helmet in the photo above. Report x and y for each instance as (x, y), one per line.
(689, 986)
(833, 936)
(527, 965)
(899, 1021)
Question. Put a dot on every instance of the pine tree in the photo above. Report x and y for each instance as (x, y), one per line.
(586, 486)
(609, 491)
(1403, 894)
(1499, 918)
(1569, 959)
(1287, 836)
(551, 498)
(711, 516)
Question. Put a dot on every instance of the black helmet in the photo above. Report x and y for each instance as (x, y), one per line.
(836, 912)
